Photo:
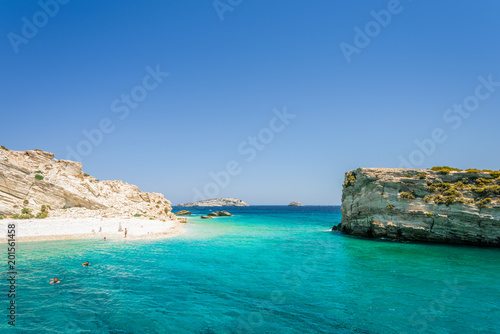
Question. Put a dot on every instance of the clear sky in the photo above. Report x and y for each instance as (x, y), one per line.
(354, 84)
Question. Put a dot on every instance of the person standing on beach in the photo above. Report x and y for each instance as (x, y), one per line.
(125, 232)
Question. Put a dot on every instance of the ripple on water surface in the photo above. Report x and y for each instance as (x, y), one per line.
(265, 270)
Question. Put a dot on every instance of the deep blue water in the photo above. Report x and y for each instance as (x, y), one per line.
(264, 270)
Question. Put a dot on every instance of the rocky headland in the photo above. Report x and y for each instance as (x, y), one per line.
(215, 202)
(441, 204)
(35, 186)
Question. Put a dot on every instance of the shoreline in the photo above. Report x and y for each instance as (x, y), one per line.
(51, 229)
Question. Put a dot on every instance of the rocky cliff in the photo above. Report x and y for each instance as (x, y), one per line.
(216, 202)
(440, 205)
(32, 181)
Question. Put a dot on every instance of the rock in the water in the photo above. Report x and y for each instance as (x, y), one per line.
(423, 205)
(183, 213)
(219, 214)
(295, 203)
(206, 217)
(216, 202)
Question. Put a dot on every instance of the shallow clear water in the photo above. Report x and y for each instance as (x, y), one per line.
(264, 270)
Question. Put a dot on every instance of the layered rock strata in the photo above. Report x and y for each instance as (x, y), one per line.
(422, 205)
(34, 182)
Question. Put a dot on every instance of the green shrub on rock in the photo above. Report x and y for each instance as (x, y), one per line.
(495, 174)
(44, 212)
(472, 170)
(439, 199)
(449, 200)
(482, 182)
(25, 214)
(486, 190)
(440, 186)
(484, 202)
(41, 215)
(465, 200)
(350, 178)
(428, 198)
(452, 192)
(406, 195)
(445, 169)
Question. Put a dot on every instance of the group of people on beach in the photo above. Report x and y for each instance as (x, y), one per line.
(56, 280)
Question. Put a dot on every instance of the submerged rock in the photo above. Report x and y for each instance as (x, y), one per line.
(449, 206)
(206, 217)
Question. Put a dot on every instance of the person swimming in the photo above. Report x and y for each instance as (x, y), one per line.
(86, 264)
(55, 281)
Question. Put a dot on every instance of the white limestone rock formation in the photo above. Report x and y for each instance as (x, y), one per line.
(32, 179)
(422, 205)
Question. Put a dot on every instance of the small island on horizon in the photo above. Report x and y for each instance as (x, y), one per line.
(215, 202)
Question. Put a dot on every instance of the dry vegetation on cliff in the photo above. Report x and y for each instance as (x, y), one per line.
(35, 185)
(440, 204)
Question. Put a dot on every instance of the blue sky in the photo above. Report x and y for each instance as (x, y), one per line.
(228, 79)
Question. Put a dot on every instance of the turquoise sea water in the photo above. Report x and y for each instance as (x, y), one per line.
(264, 270)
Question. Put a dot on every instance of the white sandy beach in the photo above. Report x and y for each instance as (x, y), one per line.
(88, 228)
